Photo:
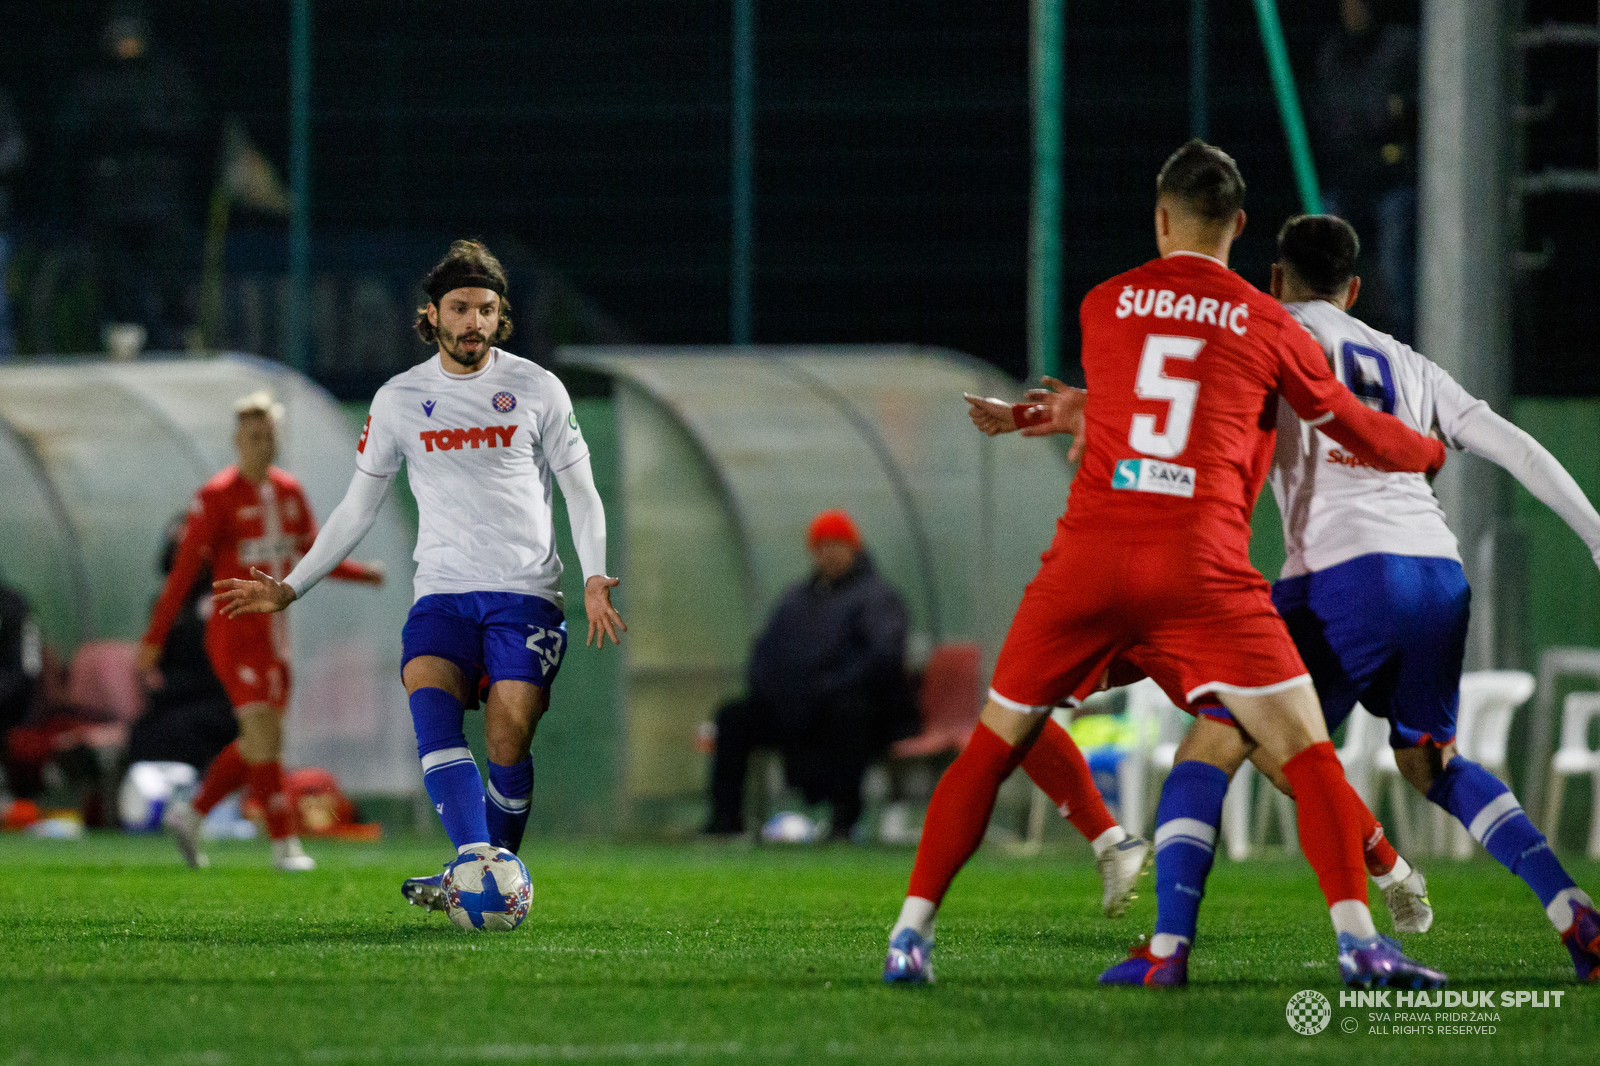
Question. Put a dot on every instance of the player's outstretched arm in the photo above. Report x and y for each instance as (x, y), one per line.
(1062, 407)
(587, 514)
(261, 594)
(991, 415)
(346, 526)
(1055, 408)
(1480, 431)
(604, 621)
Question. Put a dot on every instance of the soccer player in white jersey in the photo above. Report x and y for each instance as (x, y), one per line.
(1373, 591)
(485, 436)
(1372, 586)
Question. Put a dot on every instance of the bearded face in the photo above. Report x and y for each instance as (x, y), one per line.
(464, 321)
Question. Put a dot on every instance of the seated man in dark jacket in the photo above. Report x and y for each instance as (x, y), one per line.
(827, 684)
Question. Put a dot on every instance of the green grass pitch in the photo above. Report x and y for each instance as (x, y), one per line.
(112, 953)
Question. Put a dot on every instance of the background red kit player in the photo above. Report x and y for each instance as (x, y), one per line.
(1184, 363)
(251, 515)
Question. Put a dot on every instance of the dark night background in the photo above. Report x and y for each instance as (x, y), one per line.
(587, 141)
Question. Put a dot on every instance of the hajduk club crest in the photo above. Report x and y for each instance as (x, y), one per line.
(504, 401)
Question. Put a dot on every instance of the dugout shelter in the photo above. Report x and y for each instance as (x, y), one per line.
(97, 456)
(724, 455)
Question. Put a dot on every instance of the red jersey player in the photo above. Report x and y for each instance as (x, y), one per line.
(250, 515)
(1184, 363)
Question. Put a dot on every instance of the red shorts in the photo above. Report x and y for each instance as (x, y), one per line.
(245, 659)
(1198, 626)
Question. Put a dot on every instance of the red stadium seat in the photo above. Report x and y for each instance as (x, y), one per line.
(103, 687)
(949, 702)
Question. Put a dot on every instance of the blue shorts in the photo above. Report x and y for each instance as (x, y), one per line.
(493, 636)
(1388, 631)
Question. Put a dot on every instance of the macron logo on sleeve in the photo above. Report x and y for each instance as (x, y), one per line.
(447, 440)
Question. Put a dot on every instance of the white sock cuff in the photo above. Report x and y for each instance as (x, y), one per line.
(1352, 916)
(1495, 813)
(1562, 910)
(1163, 945)
(916, 913)
(1186, 831)
(435, 760)
(510, 806)
(1108, 840)
(1397, 873)
(463, 849)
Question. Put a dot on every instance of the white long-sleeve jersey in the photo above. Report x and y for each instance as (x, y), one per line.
(1336, 508)
(483, 452)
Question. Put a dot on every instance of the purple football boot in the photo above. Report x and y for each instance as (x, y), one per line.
(910, 960)
(1378, 962)
(1582, 939)
(1143, 968)
(425, 892)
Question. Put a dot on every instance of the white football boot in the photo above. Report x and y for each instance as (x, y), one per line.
(183, 822)
(1409, 908)
(290, 857)
(1120, 869)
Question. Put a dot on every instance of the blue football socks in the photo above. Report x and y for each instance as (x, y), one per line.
(509, 790)
(1496, 820)
(1186, 838)
(448, 771)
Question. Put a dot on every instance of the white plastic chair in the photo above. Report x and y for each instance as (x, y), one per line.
(1363, 740)
(1489, 699)
(1370, 768)
(1159, 726)
(1573, 758)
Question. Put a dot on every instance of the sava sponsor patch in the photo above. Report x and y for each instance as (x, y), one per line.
(1152, 475)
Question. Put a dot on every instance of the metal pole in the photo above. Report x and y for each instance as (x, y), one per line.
(298, 346)
(1294, 123)
(1463, 290)
(741, 269)
(1044, 236)
(1199, 101)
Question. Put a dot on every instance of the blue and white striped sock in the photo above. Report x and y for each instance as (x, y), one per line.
(1186, 839)
(509, 792)
(448, 771)
(1491, 813)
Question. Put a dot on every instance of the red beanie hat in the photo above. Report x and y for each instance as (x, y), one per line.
(833, 525)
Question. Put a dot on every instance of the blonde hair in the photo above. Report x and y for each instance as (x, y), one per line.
(260, 403)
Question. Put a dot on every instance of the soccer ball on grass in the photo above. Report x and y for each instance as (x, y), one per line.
(487, 889)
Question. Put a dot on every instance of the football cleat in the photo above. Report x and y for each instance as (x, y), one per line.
(1408, 904)
(183, 822)
(910, 960)
(1143, 968)
(1120, 869)
(289, 857)
(1582, 939)
(1378, 962)
(425, 892)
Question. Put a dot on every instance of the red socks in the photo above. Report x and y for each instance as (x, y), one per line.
(959, 812)
(266, 788)
(226, 774)
(1057, 766)
(1331, 817)
(1378, 852)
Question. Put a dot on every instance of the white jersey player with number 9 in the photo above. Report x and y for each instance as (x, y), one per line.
(1372, 588)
